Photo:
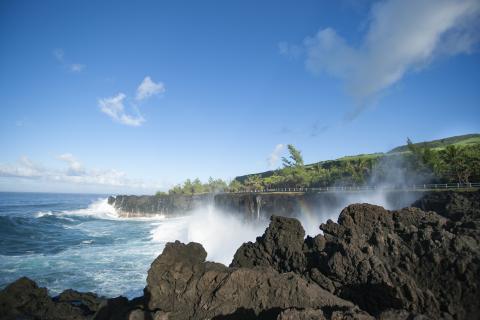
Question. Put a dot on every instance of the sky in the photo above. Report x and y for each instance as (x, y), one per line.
(135, 96)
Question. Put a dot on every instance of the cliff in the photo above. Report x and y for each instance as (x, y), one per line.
(168, 205)
(254, 205)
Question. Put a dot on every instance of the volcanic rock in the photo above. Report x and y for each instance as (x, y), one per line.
(23, 299)
(384, 261)
(181, 283)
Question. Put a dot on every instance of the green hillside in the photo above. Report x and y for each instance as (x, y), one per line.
(467, 140)
(448, 160)
(464, 140)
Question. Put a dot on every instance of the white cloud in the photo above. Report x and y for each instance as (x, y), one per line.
(77, 67)
(114, 106)
(24, 168)
(149, 88)
(74, 173)
(74, 166)
(402, 36)
(115, 109)
(290, 50)
(59, 54)
(275, 156)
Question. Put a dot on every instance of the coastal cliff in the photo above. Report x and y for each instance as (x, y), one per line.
(372, 264)
(167, 205)
(255, 205)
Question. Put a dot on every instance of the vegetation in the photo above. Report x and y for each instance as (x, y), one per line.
(464, 140)
(197, 187)
(448, 160)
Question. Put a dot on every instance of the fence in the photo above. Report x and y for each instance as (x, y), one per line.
(415, 187)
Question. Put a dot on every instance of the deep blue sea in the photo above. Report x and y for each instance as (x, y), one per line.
(77, 241)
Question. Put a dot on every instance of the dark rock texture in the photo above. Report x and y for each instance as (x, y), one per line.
(372, 264)
(252, 205)
(182, 284)
(23, 299)
(293, 204)
(411, 261)
(168, 205)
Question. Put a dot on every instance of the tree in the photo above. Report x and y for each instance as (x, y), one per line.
(254, 182)
(177, 189)
(460, 164)
(424, 162)
(197, 186)
(295, 158)
(235, 186)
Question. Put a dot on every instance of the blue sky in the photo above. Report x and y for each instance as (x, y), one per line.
(134, 96)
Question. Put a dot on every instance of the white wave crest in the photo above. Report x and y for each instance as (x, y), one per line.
(99, 209)
(40, 214)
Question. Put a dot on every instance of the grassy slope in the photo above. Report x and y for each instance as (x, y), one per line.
(464, 140)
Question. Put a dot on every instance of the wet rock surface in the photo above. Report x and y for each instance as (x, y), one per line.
(168, 205)
(412, 260)
(412, 263)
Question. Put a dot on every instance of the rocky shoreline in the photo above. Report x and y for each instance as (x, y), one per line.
(251, 205)
(420, 262)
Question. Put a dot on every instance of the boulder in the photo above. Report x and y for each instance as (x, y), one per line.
(23, 299)
(181, 283)
(280, 247)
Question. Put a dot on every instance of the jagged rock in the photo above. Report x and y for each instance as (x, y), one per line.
(181, 283)
(88, 301)
(295, 314)
(23, 299)
(411, 260)
(122, 309)
(452, 205)
(279, 247)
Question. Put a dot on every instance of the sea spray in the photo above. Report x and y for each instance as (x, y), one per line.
(219, 232)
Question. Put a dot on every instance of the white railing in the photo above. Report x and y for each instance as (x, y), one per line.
(415, 187)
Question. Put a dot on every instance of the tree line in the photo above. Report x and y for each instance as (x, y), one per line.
(420, 164)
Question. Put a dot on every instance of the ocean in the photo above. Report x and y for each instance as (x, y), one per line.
(77, 241)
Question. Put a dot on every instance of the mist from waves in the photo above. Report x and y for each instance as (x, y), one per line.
(80, 242)
(312, 217)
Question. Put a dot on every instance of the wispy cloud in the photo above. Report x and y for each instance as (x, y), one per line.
(149, 88)
(74, 173)
(77, 67)
(114, 107)
(23, 168)
(290, 50)
(402, 36)
(74, 166)
(317, 129)
(273, 158)
(59, 55)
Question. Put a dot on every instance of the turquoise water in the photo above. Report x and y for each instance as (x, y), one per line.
(75, 241)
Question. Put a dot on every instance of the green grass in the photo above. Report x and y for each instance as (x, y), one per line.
(460, 141)
(464, 140)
